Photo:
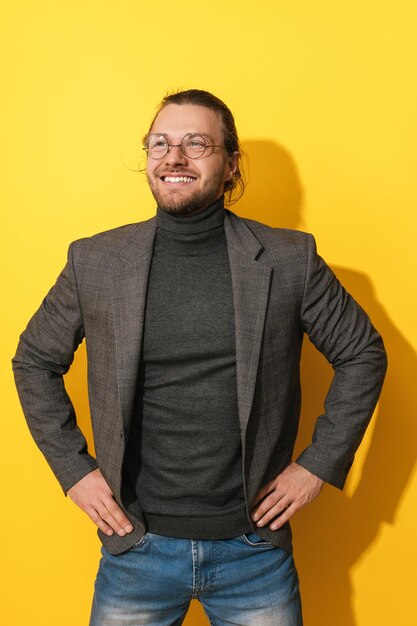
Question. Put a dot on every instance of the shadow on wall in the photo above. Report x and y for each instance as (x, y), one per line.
(273, 194)
(332, 534)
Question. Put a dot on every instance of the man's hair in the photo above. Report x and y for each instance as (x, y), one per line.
(234, 188)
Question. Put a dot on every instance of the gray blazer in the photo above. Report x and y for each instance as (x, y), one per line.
(281, 289)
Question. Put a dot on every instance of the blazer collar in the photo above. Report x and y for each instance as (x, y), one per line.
(238, 236)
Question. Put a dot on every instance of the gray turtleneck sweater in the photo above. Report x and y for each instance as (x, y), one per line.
(184, 461)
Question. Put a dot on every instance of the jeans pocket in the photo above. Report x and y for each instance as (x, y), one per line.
(141, 542)
(254, 540)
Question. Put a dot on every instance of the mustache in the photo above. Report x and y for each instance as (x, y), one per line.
(175, 172)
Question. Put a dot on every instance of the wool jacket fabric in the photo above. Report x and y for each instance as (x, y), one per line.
(281, 290)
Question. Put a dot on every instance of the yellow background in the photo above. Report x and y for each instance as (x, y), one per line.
(324, 95)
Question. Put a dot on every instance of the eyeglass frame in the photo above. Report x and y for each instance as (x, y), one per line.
(179, 145)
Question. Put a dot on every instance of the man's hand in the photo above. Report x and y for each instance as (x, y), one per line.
(289, 491)
(93, 495)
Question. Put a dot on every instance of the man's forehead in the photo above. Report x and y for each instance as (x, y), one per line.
(187, 118)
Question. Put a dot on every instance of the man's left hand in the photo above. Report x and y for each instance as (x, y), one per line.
(289, 491)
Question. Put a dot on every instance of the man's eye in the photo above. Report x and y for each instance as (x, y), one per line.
(195, 143)
(159, 144)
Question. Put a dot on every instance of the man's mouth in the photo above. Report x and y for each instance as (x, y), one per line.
(177, 179)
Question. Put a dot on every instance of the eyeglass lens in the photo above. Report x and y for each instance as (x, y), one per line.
(192, 145)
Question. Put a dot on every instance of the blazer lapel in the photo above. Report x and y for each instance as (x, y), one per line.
(128, 284)
(251, 283)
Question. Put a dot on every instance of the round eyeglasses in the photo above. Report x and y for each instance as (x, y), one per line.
(192, 146)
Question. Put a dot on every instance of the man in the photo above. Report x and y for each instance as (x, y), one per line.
(194, 322)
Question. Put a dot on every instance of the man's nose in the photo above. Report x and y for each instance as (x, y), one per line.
(175, 156)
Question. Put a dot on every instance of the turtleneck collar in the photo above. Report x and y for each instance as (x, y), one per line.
(192, 235)
(207, 219)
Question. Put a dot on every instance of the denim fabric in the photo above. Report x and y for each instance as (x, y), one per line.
(244, 581)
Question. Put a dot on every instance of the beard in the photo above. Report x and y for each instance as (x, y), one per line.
(200, 199)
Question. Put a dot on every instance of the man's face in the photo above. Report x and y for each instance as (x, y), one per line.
(206, 175)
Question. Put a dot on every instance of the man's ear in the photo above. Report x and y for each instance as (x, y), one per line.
(233, 161)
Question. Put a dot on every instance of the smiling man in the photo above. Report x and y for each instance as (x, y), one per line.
(188, 175)
(194, 322)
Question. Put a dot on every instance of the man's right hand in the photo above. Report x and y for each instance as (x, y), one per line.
(93, 495)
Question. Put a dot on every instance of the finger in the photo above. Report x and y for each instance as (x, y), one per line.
(267, 504)
(264, 491)
(273, 511)
(284, 517)
(118, 515)
(98, 521)
(106, 515)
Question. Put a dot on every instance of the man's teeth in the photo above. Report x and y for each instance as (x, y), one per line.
(178, 179)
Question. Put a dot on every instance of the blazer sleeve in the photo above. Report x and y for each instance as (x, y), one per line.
(44, 354)
(343, 332)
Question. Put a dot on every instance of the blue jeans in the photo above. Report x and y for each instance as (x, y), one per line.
(244, 581)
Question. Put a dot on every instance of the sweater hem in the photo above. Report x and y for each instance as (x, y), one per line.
(210, 527)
